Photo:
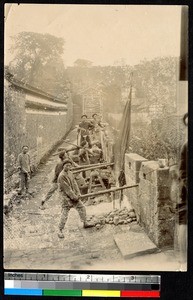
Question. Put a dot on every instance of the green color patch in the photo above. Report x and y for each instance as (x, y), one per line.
(62, 293)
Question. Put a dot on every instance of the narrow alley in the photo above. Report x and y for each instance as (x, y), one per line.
(31, 241)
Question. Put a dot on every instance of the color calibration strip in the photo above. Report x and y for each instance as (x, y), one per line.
(82, 285)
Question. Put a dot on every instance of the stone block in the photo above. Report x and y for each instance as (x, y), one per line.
(132, 166)
(132, 196)
(164, 213)
(127, 202)
(148, 171)
(132, 177)
(165, 234)
(135, 160)
(132, 244)
(163, 177)
(163, 192)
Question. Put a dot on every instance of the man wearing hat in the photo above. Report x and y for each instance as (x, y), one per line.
(83, 129)
(70, 195)
(58, 169)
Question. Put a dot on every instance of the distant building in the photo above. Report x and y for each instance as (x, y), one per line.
(89, 101)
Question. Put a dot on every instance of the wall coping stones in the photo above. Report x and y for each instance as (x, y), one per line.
(135, 156)
(32, 90)
(151, 171)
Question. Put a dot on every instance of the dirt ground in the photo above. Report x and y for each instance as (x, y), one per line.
(31, 241)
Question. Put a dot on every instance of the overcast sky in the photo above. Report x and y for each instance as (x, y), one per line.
(101, 33)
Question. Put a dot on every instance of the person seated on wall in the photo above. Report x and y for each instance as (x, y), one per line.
(83, 129)
(94, 120)
(97, 154)
(97, 127)
(85, 152)
(100, 123)
(97, 120)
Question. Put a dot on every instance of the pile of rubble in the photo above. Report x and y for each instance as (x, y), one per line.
(115, 217)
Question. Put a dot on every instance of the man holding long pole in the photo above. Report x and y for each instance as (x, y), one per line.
(70, 197)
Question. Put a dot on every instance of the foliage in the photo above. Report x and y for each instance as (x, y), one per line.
(163, 138)
(38, 61)
(156, 81)
(82, 63)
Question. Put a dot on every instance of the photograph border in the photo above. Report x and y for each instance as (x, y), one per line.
(173, 284)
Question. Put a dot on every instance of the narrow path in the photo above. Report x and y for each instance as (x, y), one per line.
(31, 241)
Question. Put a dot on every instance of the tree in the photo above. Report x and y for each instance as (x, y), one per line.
(82, 63)
(38, 61)
(156, 81)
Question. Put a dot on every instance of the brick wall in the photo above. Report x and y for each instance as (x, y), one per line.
(43, 132)
(14, 126)
(70, 112)
(151, 199)
(77, 109)
(40, 130)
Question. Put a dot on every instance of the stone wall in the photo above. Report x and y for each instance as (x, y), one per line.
(70, 111)
(43, 132)
(151, 199)
(14, 126)
(132, 166)
(33, 119)
(77, 109)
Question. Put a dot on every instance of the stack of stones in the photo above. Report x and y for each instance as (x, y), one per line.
(115, 217)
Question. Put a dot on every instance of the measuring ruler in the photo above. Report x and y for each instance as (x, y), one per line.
(70, 284)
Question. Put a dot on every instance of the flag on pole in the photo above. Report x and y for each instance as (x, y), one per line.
(122, 139)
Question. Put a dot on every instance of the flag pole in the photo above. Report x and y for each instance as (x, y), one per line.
(121, 177)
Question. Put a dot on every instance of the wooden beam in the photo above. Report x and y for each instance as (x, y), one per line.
(74, 171)
(109, 191)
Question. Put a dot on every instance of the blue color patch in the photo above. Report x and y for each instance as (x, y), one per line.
(21, 292)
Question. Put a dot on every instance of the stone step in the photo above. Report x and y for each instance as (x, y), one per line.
(134, 243)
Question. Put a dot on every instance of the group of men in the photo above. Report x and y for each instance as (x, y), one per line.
(64, 180)
(89, 128)
(89, 139)
(69, 185)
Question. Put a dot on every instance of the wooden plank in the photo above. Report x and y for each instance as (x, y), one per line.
(74, 171)
(109, 191)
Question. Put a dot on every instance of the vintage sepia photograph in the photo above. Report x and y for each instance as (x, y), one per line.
(95, 137)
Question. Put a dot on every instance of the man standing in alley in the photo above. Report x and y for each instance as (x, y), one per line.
(53, 188)
(70, 197)
(58, 169)
(24, 169)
